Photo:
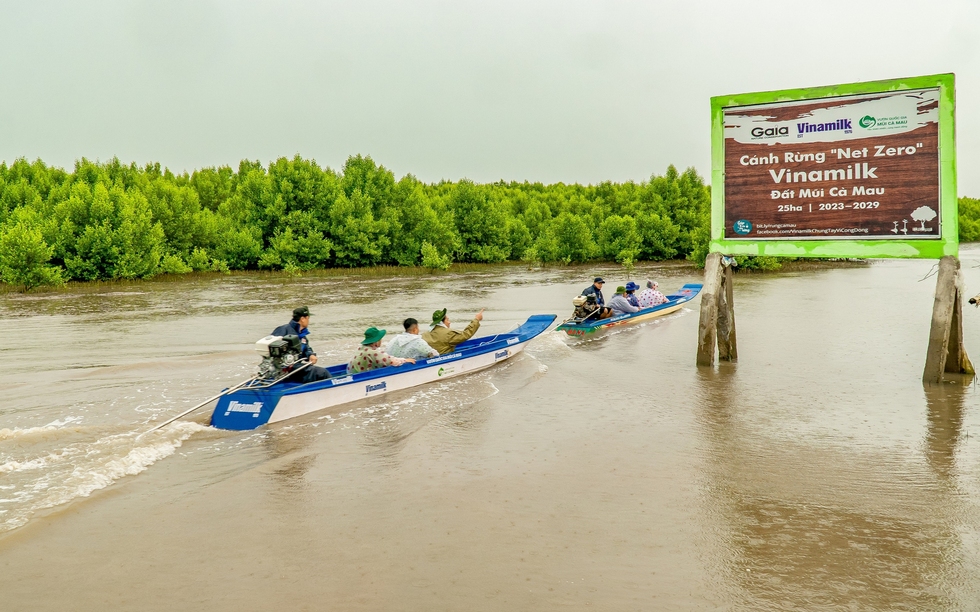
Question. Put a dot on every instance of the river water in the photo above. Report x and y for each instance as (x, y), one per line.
(610, 473)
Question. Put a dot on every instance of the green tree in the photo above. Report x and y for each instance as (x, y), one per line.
(106, 234)
(173, 264)
(418, 222)
(375, 182)
(178, 211)
(618, 238)
(969, 219)
(24, 256)
(519, 237)
(239, 248)
(659, 236)
(567, 239)
(213, 186)
(138, 239)
(112, 220)
(296, 251)
(358, 238)
(433, 259)
(481, 223)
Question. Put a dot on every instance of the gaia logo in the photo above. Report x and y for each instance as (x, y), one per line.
(742, 227)
(867, 121)
(441, 371)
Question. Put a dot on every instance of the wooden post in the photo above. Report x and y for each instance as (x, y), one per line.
(708, 325)
(727, 346)
(717, 324)
(946, 352)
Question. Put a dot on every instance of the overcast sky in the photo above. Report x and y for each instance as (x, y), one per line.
(569, 91)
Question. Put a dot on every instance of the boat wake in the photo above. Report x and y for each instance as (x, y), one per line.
(25, 434)
(54, 470)
(404, 409)
(625, 329)
(551, 345)
(47, 466)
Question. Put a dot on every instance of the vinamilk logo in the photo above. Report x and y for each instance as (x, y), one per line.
(867, 121)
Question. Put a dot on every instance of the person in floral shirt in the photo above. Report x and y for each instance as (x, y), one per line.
(650, 296)
(370, 356)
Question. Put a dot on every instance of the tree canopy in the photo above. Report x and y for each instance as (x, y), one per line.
(109, 220)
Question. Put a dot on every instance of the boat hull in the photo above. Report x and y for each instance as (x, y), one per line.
(675, 302)
(249, 408)
(298, 404)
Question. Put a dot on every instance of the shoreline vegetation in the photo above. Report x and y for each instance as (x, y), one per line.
(384, 272)
(114, 222)
(372, 272)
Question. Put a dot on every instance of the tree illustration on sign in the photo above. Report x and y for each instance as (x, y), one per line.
(923, 214)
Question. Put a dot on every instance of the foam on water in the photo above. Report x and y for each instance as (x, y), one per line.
(78, 469)
(432, 399)
(628, 328)
(549, 344)
(44, 430)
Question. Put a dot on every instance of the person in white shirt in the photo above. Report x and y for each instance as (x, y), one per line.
(410, 344)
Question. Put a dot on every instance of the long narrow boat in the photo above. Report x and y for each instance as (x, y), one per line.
(578, 327)
(256, 405)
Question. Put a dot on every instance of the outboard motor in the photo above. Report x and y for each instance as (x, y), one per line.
(279, 355)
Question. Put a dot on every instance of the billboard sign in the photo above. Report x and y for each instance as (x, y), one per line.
(858, 170)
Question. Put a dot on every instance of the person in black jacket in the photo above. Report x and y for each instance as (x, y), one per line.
(596, 289)
(299, 326)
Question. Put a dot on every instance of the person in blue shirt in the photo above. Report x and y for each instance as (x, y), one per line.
(595, 289)
(299, 326)
(631, 288)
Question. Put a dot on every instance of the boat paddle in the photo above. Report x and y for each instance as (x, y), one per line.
(211, 399)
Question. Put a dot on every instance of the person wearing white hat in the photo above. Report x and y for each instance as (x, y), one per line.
(650, 296)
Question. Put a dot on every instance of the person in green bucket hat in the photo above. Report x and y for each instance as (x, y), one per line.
(443, 339)
(370, 356)
(620, 304)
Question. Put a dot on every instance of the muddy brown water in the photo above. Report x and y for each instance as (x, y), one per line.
(608, 473)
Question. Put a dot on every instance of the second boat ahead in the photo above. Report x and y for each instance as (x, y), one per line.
(579, 327)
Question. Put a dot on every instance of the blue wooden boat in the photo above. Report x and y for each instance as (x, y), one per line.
(578, 327)
(256, 404)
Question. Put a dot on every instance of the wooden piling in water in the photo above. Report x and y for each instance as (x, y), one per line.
(716, 328)
(946, 352)
(727, 347)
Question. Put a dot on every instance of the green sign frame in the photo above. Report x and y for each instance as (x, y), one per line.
(946, 244)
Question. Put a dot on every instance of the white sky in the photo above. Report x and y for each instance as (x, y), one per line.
(568, 91)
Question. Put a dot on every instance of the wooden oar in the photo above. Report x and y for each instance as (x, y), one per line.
(201, 405)
(225, 392)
